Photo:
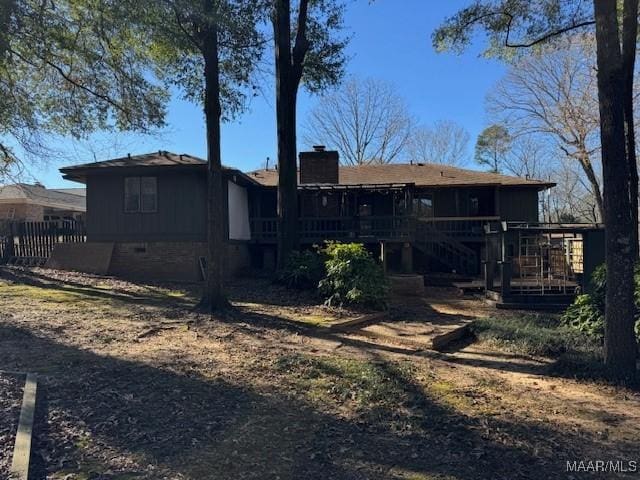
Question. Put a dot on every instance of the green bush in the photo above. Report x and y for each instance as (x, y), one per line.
(353, 277)
(586, 314)
(302, 270)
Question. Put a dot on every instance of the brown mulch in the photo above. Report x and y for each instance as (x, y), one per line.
(11, 387)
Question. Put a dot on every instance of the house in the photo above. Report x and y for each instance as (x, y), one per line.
(152, 208)
(23, 202)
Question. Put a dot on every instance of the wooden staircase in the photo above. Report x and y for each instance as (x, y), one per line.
(445, 249)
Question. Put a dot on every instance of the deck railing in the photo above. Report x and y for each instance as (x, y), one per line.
(366, 228)
(338, 228)
(462, 227)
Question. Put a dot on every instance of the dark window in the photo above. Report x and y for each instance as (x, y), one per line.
(140, 194)
(423, 206)
(365, 210)
(474, 206)
(148, 194)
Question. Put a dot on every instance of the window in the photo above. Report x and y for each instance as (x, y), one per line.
(140, 194)
(474, 206)
(423, 206)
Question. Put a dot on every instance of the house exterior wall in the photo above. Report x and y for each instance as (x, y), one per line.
(180, 215)
(168, 243)
(518, 204)
(21, 212)
(175, 261)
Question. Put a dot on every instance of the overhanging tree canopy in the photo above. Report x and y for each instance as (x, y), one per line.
(71, 68)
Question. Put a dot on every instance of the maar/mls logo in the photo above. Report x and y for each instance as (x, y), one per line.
(616, 466)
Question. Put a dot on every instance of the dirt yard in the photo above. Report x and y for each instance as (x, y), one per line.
(11, 387)
(137, 386)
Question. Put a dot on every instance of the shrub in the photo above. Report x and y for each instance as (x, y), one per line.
(586, 314)
(353, 277)
(302, 270)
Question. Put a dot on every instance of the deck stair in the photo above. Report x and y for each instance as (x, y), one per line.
(444, 248)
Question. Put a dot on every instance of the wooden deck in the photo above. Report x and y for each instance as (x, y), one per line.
(372, 229)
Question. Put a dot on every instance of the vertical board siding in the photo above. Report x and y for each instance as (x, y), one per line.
(519, 204)
(181, 212)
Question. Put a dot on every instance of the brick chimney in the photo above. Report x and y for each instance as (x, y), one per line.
(319, 166)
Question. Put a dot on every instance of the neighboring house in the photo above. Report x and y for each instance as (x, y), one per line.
(418, 216)
(22, 202)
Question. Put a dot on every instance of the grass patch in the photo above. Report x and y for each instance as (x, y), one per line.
(83, 296)
(448, 394)
(394, 393)
(364, 386)
(538, 335)
(9, 291)
(577, 355)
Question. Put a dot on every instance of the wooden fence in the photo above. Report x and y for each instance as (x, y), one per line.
(37, 239)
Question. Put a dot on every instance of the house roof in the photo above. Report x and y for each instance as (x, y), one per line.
(419, 174)
(158, 159)
(427, 175)
(39, 195)
(72, 191)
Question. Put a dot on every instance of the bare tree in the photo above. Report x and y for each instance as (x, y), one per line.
(555, 94)
(571, 200)
(529, 157)
(365, 120)
(445, 142)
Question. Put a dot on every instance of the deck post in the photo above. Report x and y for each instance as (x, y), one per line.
(407, 258)
(505, 279)
(383, 255)
(489, 271)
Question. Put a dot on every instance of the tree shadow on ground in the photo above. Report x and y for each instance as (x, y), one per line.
(147, 297)
(571, 367)
(110, 417)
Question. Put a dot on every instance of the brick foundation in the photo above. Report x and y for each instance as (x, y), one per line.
(177, 261)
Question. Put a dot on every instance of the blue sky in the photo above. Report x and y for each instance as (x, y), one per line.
(391, 40)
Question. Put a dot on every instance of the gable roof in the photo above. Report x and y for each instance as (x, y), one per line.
(424, 175)
(39, 195)
(160, 159)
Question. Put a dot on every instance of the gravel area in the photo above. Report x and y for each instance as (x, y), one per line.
(11, 387)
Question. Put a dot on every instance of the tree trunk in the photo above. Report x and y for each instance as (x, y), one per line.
(587, 167)
(629, 39)
(286, 96)
(620, 344)
(213, 296)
